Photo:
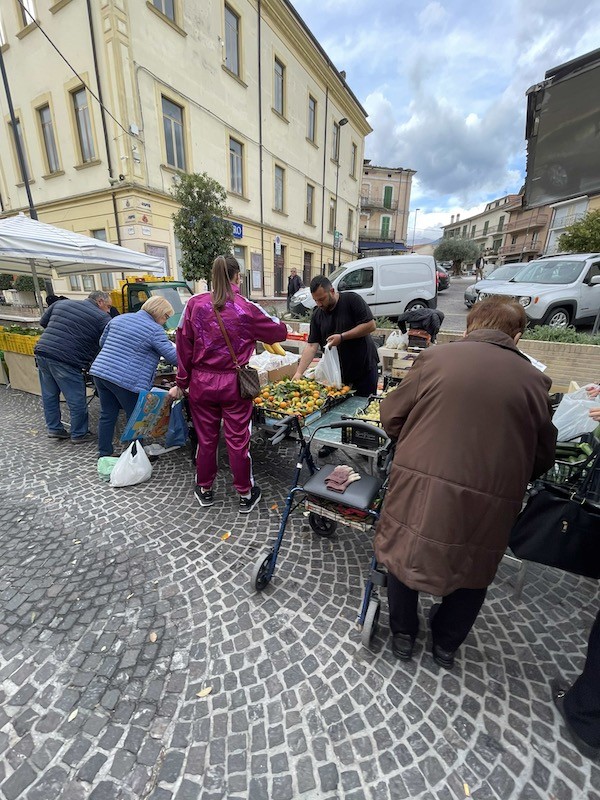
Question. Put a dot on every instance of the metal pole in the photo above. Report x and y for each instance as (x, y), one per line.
(337, 176)
(24, 175)
(415, 228)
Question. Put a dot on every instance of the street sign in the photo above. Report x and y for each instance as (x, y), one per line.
(238, 230)
(278, 245)
(338, 238)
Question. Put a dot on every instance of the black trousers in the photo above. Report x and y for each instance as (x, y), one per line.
(582, 701)
(451, 624)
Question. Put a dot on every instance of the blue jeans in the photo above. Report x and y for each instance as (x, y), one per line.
(56, 377)
(113, 398)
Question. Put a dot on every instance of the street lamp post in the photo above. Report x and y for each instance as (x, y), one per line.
(415, 228)
(341, 123)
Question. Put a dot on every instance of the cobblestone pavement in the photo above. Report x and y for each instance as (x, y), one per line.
(117, 607)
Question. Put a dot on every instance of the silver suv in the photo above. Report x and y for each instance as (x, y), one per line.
(556, 290)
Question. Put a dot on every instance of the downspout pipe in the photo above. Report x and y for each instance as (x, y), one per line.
(260, 155)
(24, 175)
(324, 167)
(103, 115)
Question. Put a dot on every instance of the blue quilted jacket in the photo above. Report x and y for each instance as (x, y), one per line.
(72, 332)
(131, 348)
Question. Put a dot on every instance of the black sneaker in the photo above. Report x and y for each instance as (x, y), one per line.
(204, 496)
(87, 437)
(62, 434)
(248, 503)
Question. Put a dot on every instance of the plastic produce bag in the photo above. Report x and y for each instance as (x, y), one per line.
(397, 340)
(572, 417)
(328, 371)
(106, 465)
(133, 466)
(177, 432)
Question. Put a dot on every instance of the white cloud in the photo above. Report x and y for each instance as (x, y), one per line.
(434, 14)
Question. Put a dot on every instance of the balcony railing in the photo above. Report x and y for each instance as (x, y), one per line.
(376, 235)
(378, 202)
(524, 221)
(522, 247)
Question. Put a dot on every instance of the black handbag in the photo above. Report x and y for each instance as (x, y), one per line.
(560, 527)
(248, 380)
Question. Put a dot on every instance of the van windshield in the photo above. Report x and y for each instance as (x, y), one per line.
(337, 272)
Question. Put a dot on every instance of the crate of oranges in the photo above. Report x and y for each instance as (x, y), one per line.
(305, 399)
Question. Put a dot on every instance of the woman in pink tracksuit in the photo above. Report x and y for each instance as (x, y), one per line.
(206, 370)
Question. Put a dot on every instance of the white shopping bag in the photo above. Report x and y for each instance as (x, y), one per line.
(328, 371)
(397, 341)
(132, 467)
(572, 417)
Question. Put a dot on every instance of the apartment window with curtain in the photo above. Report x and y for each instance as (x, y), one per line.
(18, 135)
(84, 125)
(312, 118)
(166, 7)
(310, 202)
(279, 94)
(350, 229)
(332, 205)
(236, 166)
(89, 284)
(47, 127)
(232, 41)
(353, 158)
(173, 130)
(74, 283)
(335, 143)
(27, 9)
(279, 188)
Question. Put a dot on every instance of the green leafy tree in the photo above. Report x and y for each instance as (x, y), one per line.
(582, 236)
(456, 249)
(24, 283)
(6, 280)
(200, 224)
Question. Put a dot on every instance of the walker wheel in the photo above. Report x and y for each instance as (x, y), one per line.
(260, 573)
(371, 622)
(322, 526)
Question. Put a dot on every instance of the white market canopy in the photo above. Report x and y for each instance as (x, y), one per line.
(24, 240)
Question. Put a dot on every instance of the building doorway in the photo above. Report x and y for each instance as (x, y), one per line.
(307, 269)
(278, 270)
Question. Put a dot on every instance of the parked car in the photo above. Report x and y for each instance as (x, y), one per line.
(390, 285)
(503, 273)
(556, 290)
(442, 278)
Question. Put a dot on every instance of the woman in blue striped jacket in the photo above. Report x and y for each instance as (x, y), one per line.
(132, 345)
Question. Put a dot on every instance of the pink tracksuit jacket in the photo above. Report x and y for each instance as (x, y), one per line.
(205, 368)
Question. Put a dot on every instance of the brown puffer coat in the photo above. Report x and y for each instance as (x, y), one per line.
(473, 425)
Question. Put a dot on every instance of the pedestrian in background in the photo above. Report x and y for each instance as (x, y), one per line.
(473, 423)
(131, 347)
(479, 265)
(206, 369)
(69, 344)
(294, 284)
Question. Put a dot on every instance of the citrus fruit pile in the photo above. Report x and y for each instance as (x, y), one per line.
(297, 397)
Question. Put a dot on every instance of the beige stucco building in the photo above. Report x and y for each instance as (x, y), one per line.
(238, 89)
(487, 228)
(384, 207)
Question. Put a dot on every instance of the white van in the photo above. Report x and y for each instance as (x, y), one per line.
(390, 285)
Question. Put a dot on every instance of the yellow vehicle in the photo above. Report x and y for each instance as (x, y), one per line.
(132, 293)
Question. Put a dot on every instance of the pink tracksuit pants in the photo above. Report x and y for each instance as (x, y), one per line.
(214, 396)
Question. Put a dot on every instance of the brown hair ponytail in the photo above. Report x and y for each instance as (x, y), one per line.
(224, 270)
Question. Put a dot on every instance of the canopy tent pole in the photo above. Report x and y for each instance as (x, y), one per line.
(23, 168)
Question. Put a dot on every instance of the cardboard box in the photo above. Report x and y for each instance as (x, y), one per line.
(3, 375)
(279, 374)
(23, 372)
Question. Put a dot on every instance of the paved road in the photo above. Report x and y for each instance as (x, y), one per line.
(451, 302)
(118, 607)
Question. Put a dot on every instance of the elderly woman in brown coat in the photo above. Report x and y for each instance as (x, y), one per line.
(474, 426)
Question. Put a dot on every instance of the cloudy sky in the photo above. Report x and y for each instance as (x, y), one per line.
(444, 85)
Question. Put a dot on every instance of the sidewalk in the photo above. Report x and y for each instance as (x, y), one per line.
(118, 607)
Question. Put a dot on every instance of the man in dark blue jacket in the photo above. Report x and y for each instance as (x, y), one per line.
(69, 344)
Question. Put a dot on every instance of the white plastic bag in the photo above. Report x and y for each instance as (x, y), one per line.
(397, 340)
(328, 371)
(572, 417)
(132, 467)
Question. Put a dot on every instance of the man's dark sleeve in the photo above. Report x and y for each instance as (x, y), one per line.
(359, 309)
(314, 334)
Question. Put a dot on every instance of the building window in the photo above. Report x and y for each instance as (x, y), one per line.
(27, 9)
(236, 166)
(106, 281)
(18, 136)
(464, 230)
(388, 193)
(385, 227)
(473, 229)
(312, 118)
(310, 199)
(279, 188)
(232, 41)
(74, 283)
(513, 240)
(534, 237)
(332, 206)
(173, 129)
(89, 284)
(353, 158)
(500, 223)
(350, 230)
(486, 225)
(166, 7)
(49, 141)
(279, 95)
(496, 245)
(335, 144)
(84, 125)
